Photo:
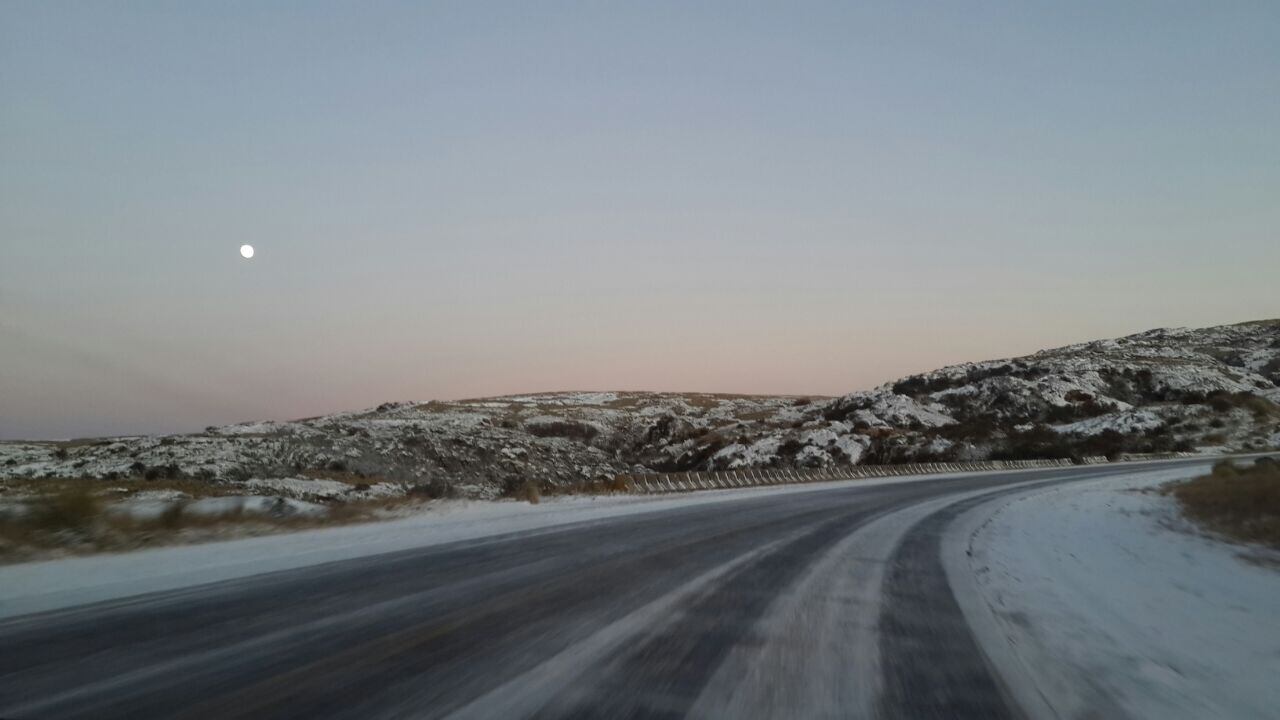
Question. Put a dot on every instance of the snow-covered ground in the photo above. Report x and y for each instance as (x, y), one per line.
(1107, 599)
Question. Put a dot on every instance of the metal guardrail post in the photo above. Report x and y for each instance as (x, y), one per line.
(649, 483)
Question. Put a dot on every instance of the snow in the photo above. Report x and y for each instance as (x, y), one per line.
(837, 434)
(1125, 422)
(254, 428)
(254, 505)
(1113, 601)
(302, 487)
(759, 453)
(552, 421)
(892, 410)
(570, 398)
(150, 508)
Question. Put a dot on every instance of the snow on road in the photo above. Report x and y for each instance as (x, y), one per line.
(1110, 600)
(54, 584)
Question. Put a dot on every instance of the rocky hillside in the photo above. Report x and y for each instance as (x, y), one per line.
(1213, 389)
(1209, 390)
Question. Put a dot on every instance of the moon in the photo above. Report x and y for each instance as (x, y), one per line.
(246, 251)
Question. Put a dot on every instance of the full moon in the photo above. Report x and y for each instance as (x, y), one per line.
(246, 251)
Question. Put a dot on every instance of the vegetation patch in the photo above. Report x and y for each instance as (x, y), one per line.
(570, 429)
(351, 477)
(531, 492)
(1260, 407)
(61, 517)
(1239, 502)
(1041, 442)
(1272, 369)
(117, 487)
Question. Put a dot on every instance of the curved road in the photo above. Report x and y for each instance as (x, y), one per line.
(826, 603)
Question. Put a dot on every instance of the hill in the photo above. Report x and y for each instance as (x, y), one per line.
(1210, 390)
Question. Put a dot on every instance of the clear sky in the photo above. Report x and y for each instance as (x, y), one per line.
(472, 198)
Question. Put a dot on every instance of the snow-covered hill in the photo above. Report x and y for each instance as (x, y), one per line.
(1208, 389)
(1213, 389)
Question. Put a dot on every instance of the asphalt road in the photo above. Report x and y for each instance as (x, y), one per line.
(831, 603)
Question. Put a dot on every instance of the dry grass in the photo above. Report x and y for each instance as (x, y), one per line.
(74, 518)
(594, 487)
(70, 509)
(1261, 408)
(440, 406)
(1240, 502)
(626, 401)
(122, 487)
(344, 476)
(531, 492)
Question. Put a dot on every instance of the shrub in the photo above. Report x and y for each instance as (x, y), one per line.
(1272, 369)
(563, 428)
(172, 517)
(1062, 414)
(1109, 442)
(432, 488)
(1120, 388)
(978, 428)
(664, 428)
(1241, 502)
(1260, 407)
(919, 385)
(74, 508)
(698, 457)
(1037, 443)
(790, 447)
(531, 492)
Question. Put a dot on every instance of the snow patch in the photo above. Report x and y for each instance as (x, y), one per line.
(1110, 595)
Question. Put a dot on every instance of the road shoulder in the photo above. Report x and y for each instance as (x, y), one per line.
(1097, 598)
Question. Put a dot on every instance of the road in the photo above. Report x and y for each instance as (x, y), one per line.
(825, 603)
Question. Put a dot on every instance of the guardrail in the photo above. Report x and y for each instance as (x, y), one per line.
(1136, 457)
(646, 483)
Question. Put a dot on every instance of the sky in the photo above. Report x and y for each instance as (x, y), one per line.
(468, 199)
